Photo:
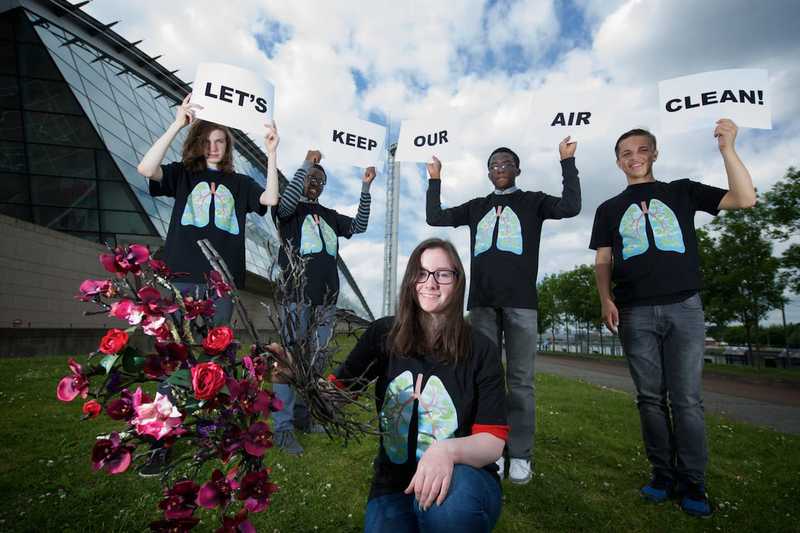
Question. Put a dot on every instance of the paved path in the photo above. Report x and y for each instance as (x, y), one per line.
(775, 405)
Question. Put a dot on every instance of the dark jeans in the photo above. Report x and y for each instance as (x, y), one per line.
(664, 345)
(519, 329)
(472, 504)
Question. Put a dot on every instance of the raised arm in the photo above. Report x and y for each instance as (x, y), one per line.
(150, 165)
(569, 204)
(603, 264)
(271, 141)
(434, 214)
(359, 224)
(291, 195)
(741, 193)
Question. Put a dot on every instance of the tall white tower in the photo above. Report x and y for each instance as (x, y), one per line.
(390, 234)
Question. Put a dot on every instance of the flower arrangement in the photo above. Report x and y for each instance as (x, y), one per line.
(190, 395)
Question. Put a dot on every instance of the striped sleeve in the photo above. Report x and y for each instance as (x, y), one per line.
(292, 193)
(359, 224)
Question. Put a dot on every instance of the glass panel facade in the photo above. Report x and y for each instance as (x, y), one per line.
(73, 127)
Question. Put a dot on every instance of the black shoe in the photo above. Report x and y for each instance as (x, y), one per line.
(156, 464)
(695, 501)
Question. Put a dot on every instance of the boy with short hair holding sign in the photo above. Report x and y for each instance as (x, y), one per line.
(645, 242)
(313, 231)
(505, 230)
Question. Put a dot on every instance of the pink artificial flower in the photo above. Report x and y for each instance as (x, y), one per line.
(158, 418)
(127, 310)
(74, 385)
(111, 455)
(256, 490)
(124, 260)
(160, 268)
(215, 282)
(153, 303)
(156, 326)
(95, 287)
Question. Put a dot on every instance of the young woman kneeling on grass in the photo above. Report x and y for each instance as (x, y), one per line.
(441, 400)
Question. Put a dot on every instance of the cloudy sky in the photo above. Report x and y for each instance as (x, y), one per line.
(490, 65)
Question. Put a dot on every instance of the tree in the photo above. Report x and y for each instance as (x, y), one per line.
(581, 300)
(549, 313)
(783, 216)
(741, 275)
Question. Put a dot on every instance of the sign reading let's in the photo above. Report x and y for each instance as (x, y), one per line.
(233, 97)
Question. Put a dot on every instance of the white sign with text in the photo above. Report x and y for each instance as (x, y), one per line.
(698, 101)
(233, 97)
(554, 116)
(419, 140)
(352, 141)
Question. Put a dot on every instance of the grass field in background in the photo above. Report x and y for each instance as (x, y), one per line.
(589, 466)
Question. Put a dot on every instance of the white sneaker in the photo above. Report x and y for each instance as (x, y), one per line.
(519, 471)
(501, 464)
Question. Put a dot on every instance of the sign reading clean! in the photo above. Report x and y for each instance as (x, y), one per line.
(698, 101)
(233, 97)
(352, 141)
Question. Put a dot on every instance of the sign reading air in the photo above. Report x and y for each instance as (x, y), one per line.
(233, 97)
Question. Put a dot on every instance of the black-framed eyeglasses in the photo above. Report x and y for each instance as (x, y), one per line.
(496, 168)
(442, 277)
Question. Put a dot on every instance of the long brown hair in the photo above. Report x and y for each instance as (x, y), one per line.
(194, 147)
(452, 341)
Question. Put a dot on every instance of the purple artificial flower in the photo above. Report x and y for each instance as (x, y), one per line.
(76, 384)
(218, 490)
(177, 525)
(111, 455)
(180, 500)
(257, 439)
(237, 523)
(256, 490)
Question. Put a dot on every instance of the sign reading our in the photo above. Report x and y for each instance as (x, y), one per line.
(421, 139)
(233, 96)
(352, 141)
(699, 100)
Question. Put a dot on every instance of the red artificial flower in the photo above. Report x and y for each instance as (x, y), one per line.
(113, 341)
(217, 340)
(92, 408)
(124, 260)
(76, 384)
(207, 380)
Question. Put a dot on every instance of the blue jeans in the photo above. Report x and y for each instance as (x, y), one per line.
(472, 505)
(519, 329)
(293, 406)
(664, 345)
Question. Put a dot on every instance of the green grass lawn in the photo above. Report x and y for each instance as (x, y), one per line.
(589, 466)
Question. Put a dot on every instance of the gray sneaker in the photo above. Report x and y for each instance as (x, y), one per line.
(156, 464)
(313, 427)
(286, 441)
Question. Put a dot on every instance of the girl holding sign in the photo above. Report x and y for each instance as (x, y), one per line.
(441, 402)
(211, 199)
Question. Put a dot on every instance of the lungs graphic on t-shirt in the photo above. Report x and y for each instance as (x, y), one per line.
(198, 207)
(509, 234)
(437, 418)
(666, 230)
(310, 240)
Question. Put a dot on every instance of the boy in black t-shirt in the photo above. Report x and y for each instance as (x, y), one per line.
(505, 229)
(313, 231)
(646, 243)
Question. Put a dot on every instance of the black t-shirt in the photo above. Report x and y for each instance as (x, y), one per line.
(650, 229)
(455, 400)
(505, 231)
(313, 231)
(208, 205)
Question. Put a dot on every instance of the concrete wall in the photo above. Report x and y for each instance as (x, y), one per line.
(40, 272)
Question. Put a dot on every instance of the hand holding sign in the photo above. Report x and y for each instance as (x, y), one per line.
(566, 148)
(725, 132)
(369, 175)
(271, 139)
(185, 113)
(435, 168)
(314, 157)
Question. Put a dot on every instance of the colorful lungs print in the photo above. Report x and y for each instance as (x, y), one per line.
(438, 419)
(509, 235)
(666, 230)
(310, 240)
(224, 211)
(395, 417)
(633, 229)
(198, 208)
